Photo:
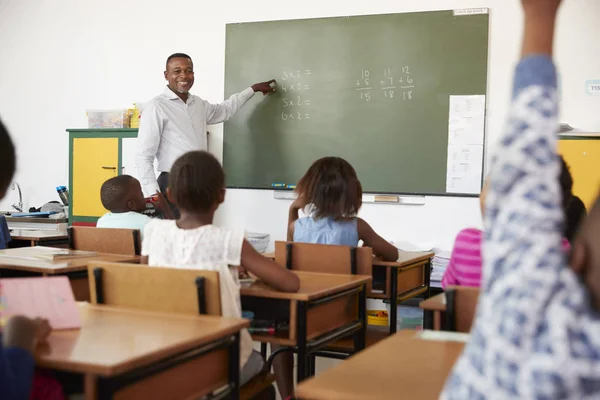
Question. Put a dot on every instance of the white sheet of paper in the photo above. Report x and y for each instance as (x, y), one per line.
(464, 169)
(466, 120)
(445, 336)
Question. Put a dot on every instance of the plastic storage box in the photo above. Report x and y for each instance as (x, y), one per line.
(107, 118)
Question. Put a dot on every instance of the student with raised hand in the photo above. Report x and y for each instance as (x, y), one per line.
(536, 334)
(20, 335)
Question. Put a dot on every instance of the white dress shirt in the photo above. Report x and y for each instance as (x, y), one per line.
(170, 127)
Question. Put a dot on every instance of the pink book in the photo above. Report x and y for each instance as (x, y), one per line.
(50, 297)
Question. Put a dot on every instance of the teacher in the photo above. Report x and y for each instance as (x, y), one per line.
(175, 121)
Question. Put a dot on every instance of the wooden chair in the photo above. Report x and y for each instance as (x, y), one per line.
(105, 240)
(335, 260)
(173, 290)
(324, 258)
(461, 305)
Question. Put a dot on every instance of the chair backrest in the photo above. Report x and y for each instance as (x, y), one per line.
(461, 305)
(105, 240)
(174, 290)
(324, 258)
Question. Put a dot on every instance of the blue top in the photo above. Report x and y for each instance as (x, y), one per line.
(4, 233)
(16, 373)
(536, 335)
(326, 231)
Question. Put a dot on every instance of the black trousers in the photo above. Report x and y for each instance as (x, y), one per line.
(163, 183)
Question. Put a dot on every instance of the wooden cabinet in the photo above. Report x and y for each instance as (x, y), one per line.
(95, 156)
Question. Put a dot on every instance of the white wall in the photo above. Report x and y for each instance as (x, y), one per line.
(60, 57)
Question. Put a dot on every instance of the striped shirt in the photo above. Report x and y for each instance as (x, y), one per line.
(464, 268)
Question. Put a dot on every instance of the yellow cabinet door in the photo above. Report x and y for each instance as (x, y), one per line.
(583, 158)
(94, 161)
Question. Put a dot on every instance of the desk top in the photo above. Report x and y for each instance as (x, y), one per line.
(401, 365)
(115, 340)
(37, 220)
(27, 234)
(434, 303)
(405, 258)
(23, 259)
(313, 285)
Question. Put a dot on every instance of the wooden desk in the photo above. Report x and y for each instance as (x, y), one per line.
(39, 237)
(436, 305)
(327, 307)
(405, 278)
(401, 366)
(20, 262)
(144, 355)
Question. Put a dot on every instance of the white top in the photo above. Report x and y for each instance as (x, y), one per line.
(208, 248)
(125, 220)
(170, 127)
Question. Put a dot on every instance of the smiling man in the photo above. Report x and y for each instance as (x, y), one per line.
(174, 122)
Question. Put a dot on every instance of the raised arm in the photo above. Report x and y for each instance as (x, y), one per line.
(523, 208)
(217, 113)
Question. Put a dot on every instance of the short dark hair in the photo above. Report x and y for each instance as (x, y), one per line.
(332, 187)
(114, 193)
(8, 159)
(177, 55)
(196, 181)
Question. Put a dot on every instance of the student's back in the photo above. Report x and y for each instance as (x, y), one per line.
(326, 231)
(197, 188)
(122, 196)
(331, 194)
(207, 247)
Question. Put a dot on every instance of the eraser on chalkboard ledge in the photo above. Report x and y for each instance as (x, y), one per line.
(386, 199)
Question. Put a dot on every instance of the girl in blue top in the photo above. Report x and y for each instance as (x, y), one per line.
(331, 194)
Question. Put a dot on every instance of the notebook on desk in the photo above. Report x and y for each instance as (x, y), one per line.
(50, 297)
(64, 254)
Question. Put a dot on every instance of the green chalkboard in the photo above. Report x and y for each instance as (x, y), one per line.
(372, 89)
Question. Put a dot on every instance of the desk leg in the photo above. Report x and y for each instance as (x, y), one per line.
(234, 366)
(394, 301)
(428, 316)
(90, 387)
(263, 350)
(437, 320)
(301, 326)
(360, 337)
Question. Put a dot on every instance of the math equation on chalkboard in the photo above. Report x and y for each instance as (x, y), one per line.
(385, 84)
(295, 99)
